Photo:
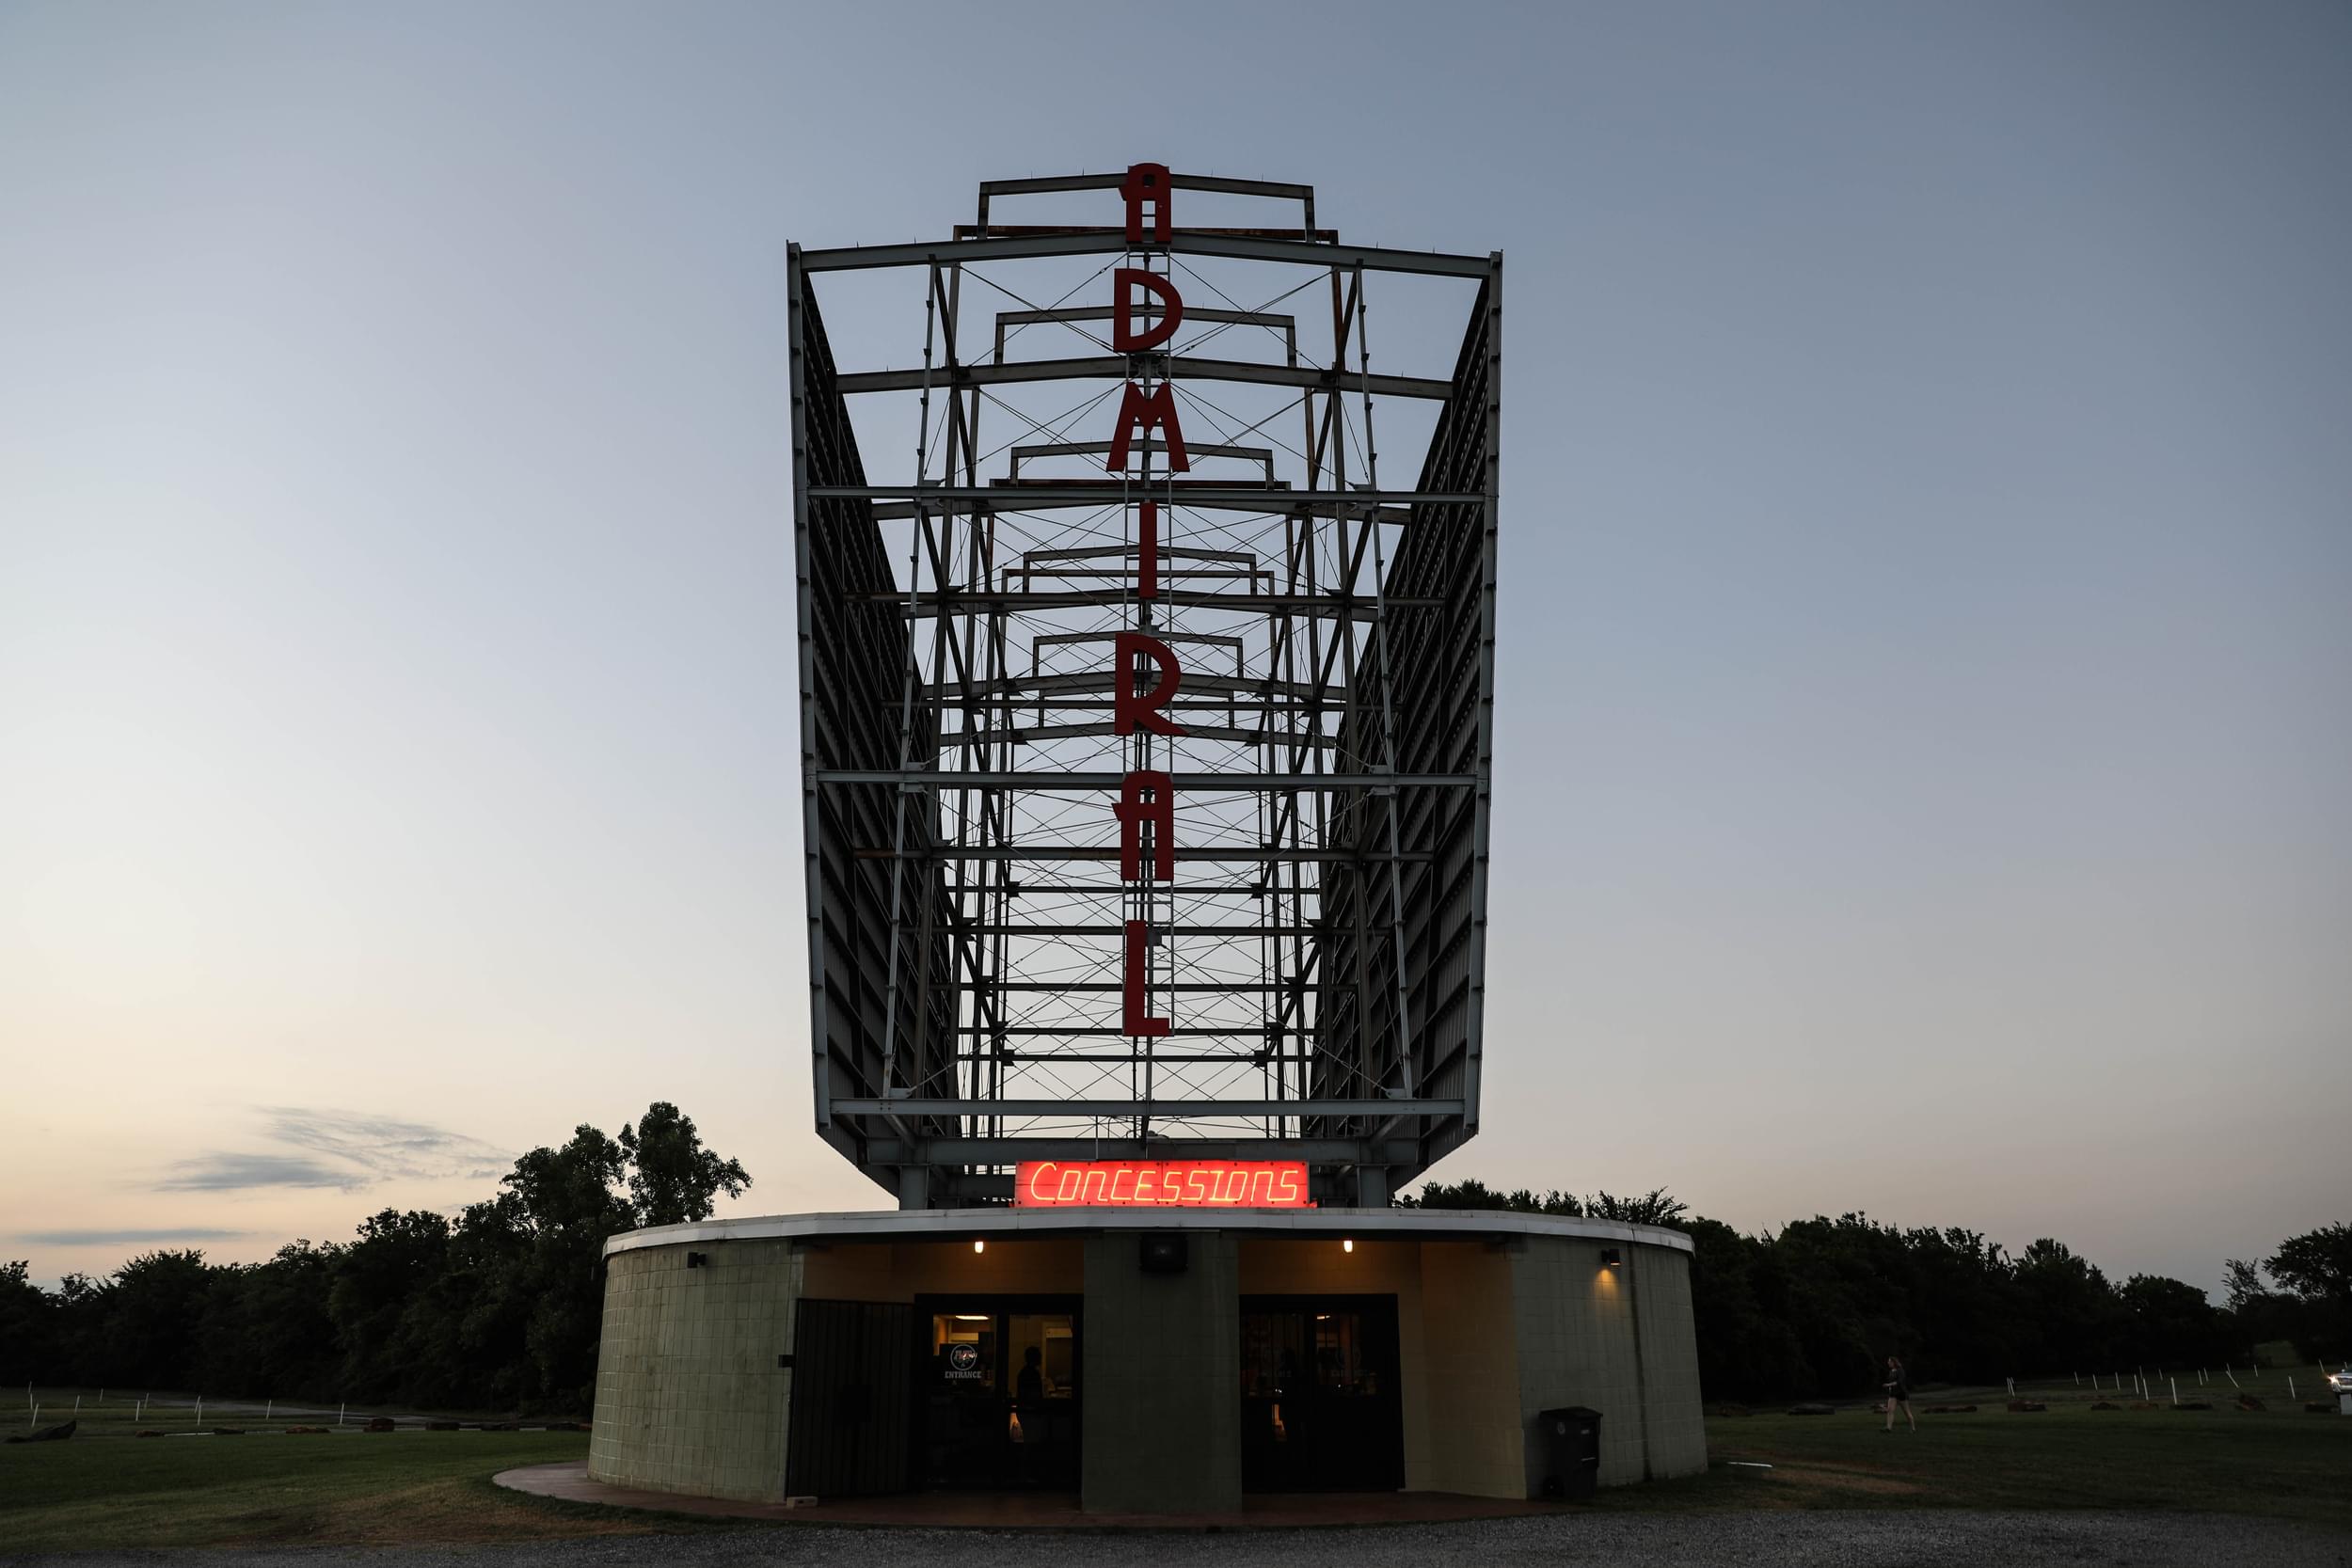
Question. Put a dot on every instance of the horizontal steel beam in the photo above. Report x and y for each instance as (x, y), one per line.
(1274, 782)
(1255, 1030)
(1160, 988)
(1100, 684)
(1264, 456)
(1120, 367)
(1034, 734)
(1111, 180)
(1227, 855)
(1150, 1107)
(955, 601)
(1031, 495)
(1281, 231)
(1114, 242)
(1007, 1151)
(902, 511)
(1163, 928)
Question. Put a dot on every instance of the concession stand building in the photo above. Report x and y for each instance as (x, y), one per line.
(1147, 730)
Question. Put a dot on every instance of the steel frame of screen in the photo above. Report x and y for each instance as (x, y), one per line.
(1323, 955)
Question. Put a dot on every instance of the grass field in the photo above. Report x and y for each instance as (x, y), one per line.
(105, 1489)
(111, 1413)
(2282, 1464)
(356, 1489)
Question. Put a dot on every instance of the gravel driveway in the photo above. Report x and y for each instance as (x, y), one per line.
(1828, 1540)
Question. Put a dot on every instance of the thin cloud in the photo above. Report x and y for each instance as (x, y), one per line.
(125, 1238)
(384, 1148)
(341, 1149)
(227, 1173)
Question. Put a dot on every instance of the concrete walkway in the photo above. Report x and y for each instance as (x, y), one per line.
(1035, 1511)
(1911, 1538)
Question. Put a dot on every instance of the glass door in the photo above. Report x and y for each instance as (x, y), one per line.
(964, 1431)
(998, 1404)
(1320, 1410)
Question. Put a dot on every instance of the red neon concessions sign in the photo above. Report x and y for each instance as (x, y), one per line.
(1161, 1184)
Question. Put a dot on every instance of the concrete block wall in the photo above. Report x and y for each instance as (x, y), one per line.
(1473, 1380)
(1163, 1390)
(689, 1395)
(1578, 1344)
(1670, 1361)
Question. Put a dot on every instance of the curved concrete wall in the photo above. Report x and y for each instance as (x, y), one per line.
(690, 1398)
(689, 1395)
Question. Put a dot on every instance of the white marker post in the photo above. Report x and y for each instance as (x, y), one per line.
(35, 1419)
(2290, 1388)
(2013, 1387)
(200, 1410)
(2176, 1389)
(339, 1413)
(2233, 1377)
(267, 1405)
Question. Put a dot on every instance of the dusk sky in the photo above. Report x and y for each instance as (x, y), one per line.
(1924, 776)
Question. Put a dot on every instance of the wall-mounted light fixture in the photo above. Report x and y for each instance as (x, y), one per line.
(1610, 1257)
(1348, 1245)
(978, 1245)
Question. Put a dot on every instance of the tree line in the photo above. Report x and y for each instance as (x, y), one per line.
(1816, 1308)
(494, 1310)
(498, 1309)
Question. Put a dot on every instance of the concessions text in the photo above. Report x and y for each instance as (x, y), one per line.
(1161, 1184)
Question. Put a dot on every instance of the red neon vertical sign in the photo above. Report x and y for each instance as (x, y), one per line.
(1139, 1021)
(1147, 798)
(1147, 186)
(1125, 338)
(1144, 412)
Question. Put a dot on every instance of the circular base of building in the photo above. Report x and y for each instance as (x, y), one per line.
(569, 1481)
(1062, 1366)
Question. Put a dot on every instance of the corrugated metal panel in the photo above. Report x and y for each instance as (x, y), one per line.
(851, 1367)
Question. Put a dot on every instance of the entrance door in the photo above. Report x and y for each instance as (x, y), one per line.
(849, 1431)
(1320, 1406)
(998, 1393)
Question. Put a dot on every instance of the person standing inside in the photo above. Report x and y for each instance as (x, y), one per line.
(1898, 1387)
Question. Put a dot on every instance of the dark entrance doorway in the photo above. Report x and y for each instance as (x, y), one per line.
(996, 1392)
(849, 1375)
(1320, 1406)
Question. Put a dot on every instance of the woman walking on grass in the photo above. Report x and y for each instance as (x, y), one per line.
(1899, 1392)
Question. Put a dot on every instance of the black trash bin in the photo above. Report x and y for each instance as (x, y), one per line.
(1570, 1441)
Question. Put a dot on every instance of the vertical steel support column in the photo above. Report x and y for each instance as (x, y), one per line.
(1471, 1066)
(796, 287)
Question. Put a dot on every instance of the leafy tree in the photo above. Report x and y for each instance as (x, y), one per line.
(374, 1284)
(28, 1326)
(267, 1326)
(152, 1307)
(2170, 1320)
(2316, 1270)
(673, 1179)
(1655, 1206)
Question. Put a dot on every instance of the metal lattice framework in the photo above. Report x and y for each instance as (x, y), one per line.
(1320, 951)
